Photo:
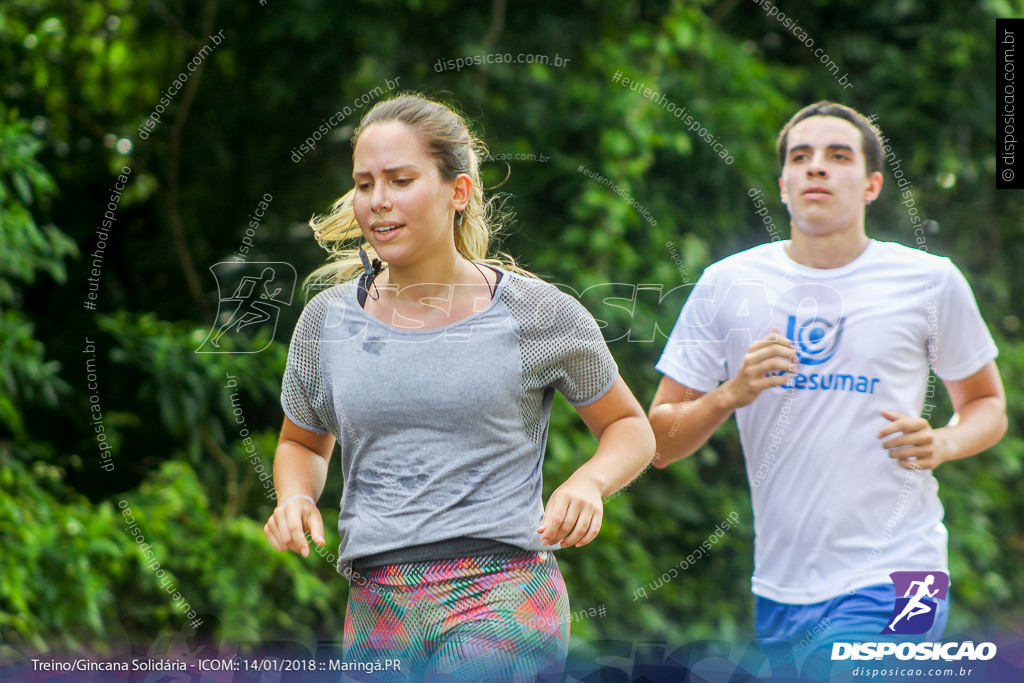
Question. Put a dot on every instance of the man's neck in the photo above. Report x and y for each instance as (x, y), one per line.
(826, 251)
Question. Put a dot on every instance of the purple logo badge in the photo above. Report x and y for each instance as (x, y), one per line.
(917, 595)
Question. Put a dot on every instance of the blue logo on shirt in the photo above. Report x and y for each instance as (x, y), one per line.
(816, 340)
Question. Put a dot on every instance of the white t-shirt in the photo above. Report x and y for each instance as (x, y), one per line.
(832, 510)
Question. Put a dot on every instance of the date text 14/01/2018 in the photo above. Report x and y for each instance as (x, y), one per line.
(225, 664)
(273, 664)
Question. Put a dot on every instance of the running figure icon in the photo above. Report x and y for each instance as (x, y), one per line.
(255, 302)
(915, 606)
(250, 311)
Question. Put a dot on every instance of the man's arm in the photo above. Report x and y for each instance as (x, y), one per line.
(978, 422)
(683, 419)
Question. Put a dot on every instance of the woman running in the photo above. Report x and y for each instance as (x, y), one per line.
(435, 371)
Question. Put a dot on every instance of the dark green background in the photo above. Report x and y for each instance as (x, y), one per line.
(79, 78)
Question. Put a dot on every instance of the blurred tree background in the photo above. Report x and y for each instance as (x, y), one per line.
(112, 409)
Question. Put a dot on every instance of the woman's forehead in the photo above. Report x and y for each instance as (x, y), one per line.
(388, 143)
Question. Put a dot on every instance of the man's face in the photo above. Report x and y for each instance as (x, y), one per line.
(824, 181)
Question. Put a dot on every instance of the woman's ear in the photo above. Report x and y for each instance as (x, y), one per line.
(462, 189)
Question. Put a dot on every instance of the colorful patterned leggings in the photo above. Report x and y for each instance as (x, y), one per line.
(489, 618)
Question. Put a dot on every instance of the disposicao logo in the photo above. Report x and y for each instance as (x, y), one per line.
(915, 612)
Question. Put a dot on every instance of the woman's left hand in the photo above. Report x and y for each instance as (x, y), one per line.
(573, 514)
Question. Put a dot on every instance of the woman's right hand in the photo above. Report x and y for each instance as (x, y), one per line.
(286, 529)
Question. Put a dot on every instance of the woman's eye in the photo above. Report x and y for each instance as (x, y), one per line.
(402, 182)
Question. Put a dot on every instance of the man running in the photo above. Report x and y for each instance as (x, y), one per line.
(838, 456)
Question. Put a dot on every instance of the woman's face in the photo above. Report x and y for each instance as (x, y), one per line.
(404, 207)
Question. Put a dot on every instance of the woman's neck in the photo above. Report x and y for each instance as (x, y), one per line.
(435, 280)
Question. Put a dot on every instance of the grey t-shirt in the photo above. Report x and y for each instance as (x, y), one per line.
(442, 431)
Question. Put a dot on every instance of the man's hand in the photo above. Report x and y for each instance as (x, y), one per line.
(918, 446)
(773, 354)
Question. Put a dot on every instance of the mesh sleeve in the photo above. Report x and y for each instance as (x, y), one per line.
(562, 344)
(302, 389)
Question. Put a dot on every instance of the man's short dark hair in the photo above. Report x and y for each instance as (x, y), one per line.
(869, 138)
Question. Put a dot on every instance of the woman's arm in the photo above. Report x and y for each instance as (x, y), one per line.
(300, 469)
(625, 447)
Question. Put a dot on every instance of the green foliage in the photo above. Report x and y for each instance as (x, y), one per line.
(984, 512)
(62, 566)
(25, 250)
(190, 389)
(82, 77)
(102, 577)
(224, 568)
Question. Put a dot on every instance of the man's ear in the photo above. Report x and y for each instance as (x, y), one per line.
(874, 187)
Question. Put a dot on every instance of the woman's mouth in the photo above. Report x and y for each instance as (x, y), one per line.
(386, 232)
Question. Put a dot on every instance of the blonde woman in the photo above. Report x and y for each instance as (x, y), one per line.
(435, 369)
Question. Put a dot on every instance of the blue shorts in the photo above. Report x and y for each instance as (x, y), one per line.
(793, 633)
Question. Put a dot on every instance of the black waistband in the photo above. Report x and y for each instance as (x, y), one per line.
(461, 546)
